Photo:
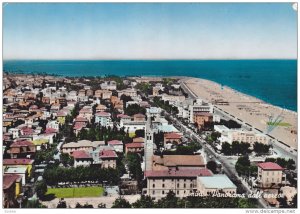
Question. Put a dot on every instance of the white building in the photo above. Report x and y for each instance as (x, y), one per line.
(117, 145)
(109, 85)
(15, 132)
(215, 184)
(104, 118)
(199, 107)
(154, 112)
(132, 126)
(53, 124)
(243, 136)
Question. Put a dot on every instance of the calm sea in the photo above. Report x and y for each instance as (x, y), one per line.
(274, 81)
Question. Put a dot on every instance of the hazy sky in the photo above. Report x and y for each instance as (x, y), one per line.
(149, 31)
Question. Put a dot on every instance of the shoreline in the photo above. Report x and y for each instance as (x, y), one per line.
(260, 111)
(246, 95)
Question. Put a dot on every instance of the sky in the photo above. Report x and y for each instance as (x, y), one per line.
(149, 31)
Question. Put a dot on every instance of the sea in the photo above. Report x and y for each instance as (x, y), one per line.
(273, 81)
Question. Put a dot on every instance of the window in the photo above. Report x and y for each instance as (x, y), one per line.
(163, 185)
(163, 180)
(184, 185)
(153, 185)
(191, 185)
(177, 185)
(163, 192)
(177, 192)
(153, 192)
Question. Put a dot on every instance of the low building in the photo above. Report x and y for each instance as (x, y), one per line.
(81, 145)
(134, 148)
(82, 158)
(200, 118)
(173, 138)
(182, 182)
(270, 175)
(109, 159)
(215, 184)
(12, 184)
(132, 126)
(21, 171)
(21, 149)
(117, 145)
(103, 118)
(21, 162)
(166, 162)
(139, 117)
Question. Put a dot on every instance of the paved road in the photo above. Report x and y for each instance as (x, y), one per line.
(227, 163)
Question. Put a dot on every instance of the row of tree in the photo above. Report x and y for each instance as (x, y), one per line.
(165, 105)
(55, 175)
(241, 148)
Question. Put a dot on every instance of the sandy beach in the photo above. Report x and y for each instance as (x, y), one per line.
(249, 109)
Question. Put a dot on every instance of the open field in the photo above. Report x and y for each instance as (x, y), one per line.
(77, 192)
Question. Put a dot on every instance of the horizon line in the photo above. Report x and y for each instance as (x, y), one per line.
(148, 59)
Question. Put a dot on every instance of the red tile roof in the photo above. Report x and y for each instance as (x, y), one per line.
(122, 116)
(103, 114)
(50, 130)
(270, 166)
(22, 143)
(179, 173)
(20, 161)
(81, 154)
(138, 140)
(81, 119)
(108, 154)
(139, 115)
(134, 145)
(115, 142)
(9, 179)
(172, 136)
(61, 114)
(207, 114)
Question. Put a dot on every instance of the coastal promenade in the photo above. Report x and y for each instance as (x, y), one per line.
(248, 110)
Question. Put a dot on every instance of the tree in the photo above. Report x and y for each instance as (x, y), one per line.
(62, 204)
(121, 203)
(134, 166)
(125, 99)
(41, 188)
(144, 202)
(159, 139)
(170, 201)
(226, 148)
(66, 159)
(140, 133)
(134, 109)
(243, 166)
(261, 148)
(294, 201)
(212, 165)
(215, 135)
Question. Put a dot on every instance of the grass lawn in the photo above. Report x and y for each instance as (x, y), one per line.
(278, 124)
(77, 191)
